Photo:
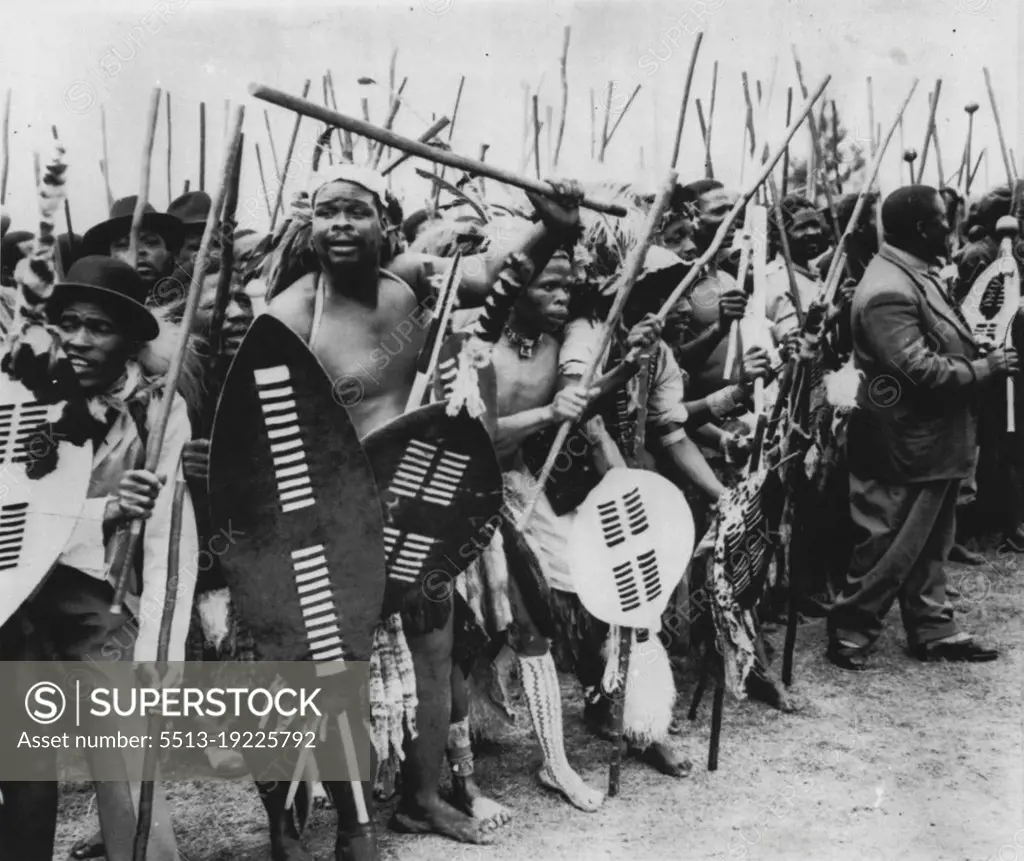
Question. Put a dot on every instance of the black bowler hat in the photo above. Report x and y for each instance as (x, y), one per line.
(192, 208)
(97, 239)
(107, 281)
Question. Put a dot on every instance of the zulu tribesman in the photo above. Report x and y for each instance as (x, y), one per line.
(911, 441)
(192, 209)
(159, 242)
(805, 232)
(359, 303)
(526, 366)
(103, 327)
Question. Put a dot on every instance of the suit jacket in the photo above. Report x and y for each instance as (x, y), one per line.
(916, 419)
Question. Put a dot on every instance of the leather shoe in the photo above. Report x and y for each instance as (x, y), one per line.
(965, 650)
(847, 657)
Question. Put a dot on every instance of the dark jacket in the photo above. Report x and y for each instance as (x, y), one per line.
(922, 373)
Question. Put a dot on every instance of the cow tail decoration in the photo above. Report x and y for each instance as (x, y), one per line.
(517, 272)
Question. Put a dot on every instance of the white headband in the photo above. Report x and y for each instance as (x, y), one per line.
(364, 177)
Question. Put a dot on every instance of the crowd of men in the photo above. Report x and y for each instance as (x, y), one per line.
(905, 471)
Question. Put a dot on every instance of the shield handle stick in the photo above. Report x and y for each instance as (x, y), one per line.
(618, 708)
(163, 646)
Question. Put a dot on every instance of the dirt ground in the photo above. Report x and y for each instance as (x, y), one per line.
(905, 761)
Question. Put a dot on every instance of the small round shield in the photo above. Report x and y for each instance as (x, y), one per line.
(629, 546)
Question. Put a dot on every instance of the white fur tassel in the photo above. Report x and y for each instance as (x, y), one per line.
(474, 355)
(650, 688)
(843, 386)
(214, 616)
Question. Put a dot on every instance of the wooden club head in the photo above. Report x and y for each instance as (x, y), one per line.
(909, 155)
(971, 107)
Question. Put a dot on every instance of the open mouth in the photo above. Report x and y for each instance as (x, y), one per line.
(79, 364)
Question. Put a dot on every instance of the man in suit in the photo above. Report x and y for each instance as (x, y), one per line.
(911, 441)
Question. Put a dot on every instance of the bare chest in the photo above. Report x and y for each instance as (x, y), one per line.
(525, 383)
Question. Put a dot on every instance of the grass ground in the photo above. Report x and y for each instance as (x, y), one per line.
(904, 761)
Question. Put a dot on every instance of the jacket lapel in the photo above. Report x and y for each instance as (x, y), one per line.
(934, 296)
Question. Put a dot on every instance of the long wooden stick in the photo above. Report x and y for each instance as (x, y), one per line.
(536, 138)
(170, 137)
(430, 352)
(105, 163)
(816, 150)
(392, 113)
(633, 267)
(416, 148)
(202, 146)
(263, 179)
(686, 96)
(785, 155)
(930, 130)
(155, 443)
(565, 94)
(288, 158)
(622, 113)
(709, 171)
(593, 125)
(981, 155)
(273, 148)
(7, 147)
(999, 126)
(971, 108)
(609, 93)
(147, 164)
(147, 788)
(227, 265)
(838, 260)
(435, 129)
(697, 269)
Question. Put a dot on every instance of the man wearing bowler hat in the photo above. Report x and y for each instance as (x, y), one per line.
(160, 239)
(193, 210)
(103, 324)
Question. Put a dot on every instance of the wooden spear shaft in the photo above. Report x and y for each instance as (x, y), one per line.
(147, 788)
(634, 265)
(288, 158)
(618, 119)
(170, 193)
(105, 163)
(607, 115)
(709, 172)
(7, 147)
(767, 167)
(536, 138)
(785, 155)
(417, 148)
(686, 96)
(435, 129)
(999, 126)
(147, 164)
(565, 94)
(930, 130)
(832, 279)
(202, 146)
(263, 179)
(393, 112)
(155, 443)
(818, 155)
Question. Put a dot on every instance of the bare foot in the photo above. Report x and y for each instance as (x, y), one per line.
(663, 758)
(468, 798)
(435, 816)
(571, 785)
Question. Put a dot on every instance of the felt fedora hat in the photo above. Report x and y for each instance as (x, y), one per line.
(109, 282)
(97, 239)
(192, 208)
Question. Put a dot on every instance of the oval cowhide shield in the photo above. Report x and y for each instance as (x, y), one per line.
(290, 484)
(37, 515)
(629, 546)
(441, 490)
